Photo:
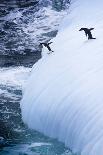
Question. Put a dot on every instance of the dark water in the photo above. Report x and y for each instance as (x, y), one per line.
(26, 60)
(17, 48)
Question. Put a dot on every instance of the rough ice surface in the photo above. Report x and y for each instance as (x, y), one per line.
(64, 95)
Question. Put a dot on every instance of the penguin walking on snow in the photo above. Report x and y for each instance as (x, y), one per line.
(88, 32)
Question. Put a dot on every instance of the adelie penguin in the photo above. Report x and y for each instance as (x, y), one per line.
(47, 45)
(88, 32)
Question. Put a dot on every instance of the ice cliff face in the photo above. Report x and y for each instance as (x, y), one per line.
(64, 95)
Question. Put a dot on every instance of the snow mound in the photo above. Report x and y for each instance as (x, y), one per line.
(64, 95)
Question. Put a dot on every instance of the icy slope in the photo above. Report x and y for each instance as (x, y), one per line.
(64, 95)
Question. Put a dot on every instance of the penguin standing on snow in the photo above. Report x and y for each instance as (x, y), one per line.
(88, 32)
(47, 45)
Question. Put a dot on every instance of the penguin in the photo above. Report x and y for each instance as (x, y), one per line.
(47, 46)
(88, 32)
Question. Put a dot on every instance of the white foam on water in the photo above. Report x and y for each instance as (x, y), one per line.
(45, 21)
(14, 76)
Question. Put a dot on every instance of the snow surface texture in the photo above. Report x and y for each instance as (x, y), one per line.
(64, 95)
